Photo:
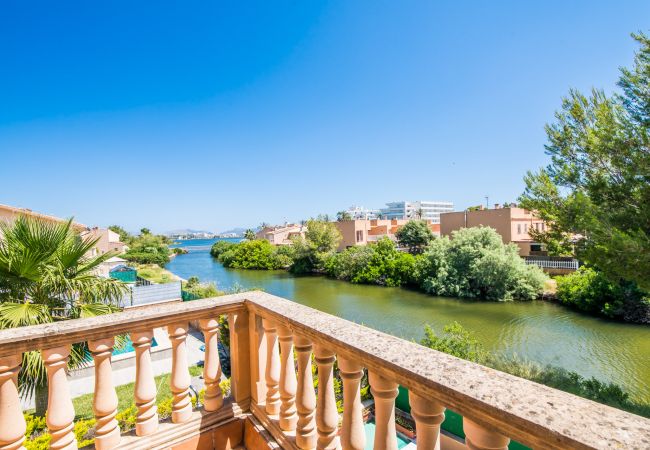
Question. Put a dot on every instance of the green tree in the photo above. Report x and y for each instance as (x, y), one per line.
(415, 235)
(596, 191)
(219, 247)
(249, 234)
(144, 231)
(476, 263)
(343, 215)
(309, 253)
(47, 276)
(148, 249)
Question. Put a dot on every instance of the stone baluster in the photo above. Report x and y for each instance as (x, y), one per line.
(428, 416)
(288, 413)
(242, 356)
(326, 414)
(60, 411)
(107, 430)
(272, 374)
(481, 438)
(145, 385)
(353, 435)
(180, 379)
(384, 391)
(12, 431)
(305, 397)
(212, 367)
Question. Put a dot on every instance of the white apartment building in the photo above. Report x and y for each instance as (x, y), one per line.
(427, 210)
(361, 213)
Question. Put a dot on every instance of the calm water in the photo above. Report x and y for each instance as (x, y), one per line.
(539, 331)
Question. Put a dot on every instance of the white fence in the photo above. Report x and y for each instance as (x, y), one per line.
(548, 263)
(153, 293)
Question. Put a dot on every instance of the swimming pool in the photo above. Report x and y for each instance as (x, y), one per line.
(128, 346)
(369, 428)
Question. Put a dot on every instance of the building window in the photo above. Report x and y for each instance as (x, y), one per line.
(359, 235)
(518, 228)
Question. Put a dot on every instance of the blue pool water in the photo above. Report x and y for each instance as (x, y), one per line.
(369, 427)
(128, 346)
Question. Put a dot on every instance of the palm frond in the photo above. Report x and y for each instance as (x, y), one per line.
(23, 314)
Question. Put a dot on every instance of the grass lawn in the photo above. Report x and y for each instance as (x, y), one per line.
(155, 273)
(83, 405)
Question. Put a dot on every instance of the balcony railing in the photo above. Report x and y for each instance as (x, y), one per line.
(546, 262)
(275, 389)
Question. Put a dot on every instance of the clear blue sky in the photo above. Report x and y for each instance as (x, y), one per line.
(173, 115)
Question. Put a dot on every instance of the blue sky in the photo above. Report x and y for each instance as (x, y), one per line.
(212, 115)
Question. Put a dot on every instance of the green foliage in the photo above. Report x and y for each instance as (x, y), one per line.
(379, 264)
(255, 254)
(148, 249)
(249, 234)
(455, 341)
(320, 241)
(591, 291)
(343, 215)
(595, 192)
(476, 264)
(46, 276)
(179, 251)
(220, 247)
(461, 343)
(201, 290)
(415, 236)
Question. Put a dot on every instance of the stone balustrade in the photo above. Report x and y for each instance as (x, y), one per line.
(274, 343)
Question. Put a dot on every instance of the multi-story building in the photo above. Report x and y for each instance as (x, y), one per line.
(362, 232)
(281, 234)
(513, 224)
(361, 213)
(425, 210)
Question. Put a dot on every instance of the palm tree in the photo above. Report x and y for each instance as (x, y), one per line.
(47, 276)
(343, 215)
(249, 235)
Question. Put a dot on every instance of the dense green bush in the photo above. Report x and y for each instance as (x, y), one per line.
(415, 236)
(220, 247)
(589, 290)
(475, 263)
(255, 254)
(457, 341)
(148, 249)
(379, 264)
(202, 290)
(310, 253)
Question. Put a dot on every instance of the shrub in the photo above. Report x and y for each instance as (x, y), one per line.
(379, 264)
(476, 264)
(255, 254)
(201, 290)
(220, 247)
(311, 252)
(415, 235)
(459, 342)
(589, 290)
(455, 341)
(148, 249)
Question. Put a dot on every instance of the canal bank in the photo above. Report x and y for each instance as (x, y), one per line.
(542, 332)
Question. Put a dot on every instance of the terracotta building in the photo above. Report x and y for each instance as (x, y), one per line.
(513, 224)
(362, 232)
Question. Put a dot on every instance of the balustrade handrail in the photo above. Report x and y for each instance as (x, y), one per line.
(39, 337)
(499, 403)
(534, 414)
